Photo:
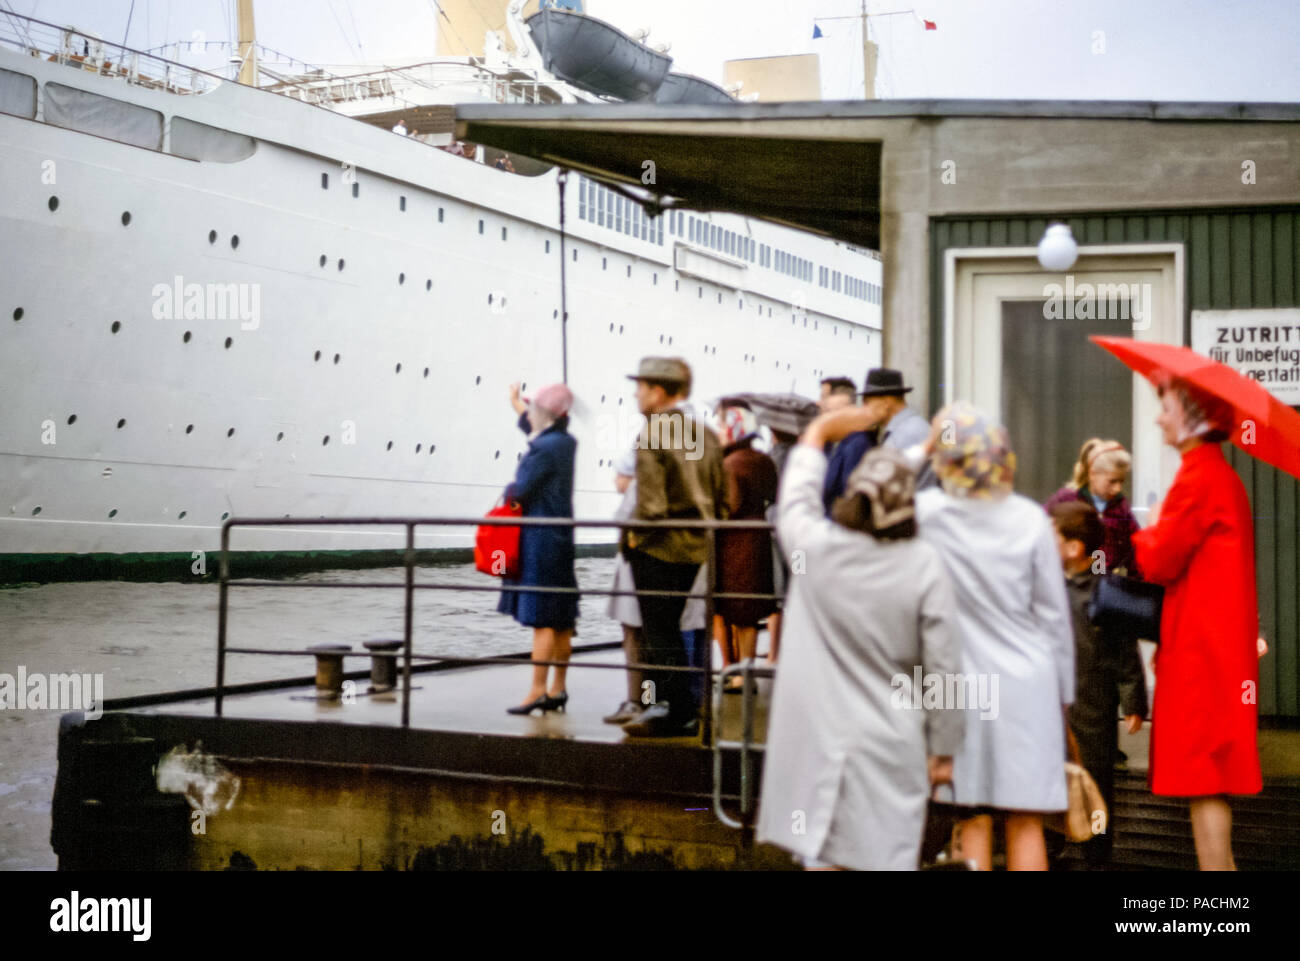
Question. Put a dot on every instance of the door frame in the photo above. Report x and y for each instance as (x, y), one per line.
(976, 280)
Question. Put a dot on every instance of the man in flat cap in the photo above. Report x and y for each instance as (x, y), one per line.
(679, 475)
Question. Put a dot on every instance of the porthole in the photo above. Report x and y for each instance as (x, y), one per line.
(661, 338)
(229, 341)
(620, 328)
(340, 263)
(480, 226)
(356, 190)
(428, 285)
(231, 432)
(401, 203)
(397, 369)
(279, 437)
(212, 236)
(426, 372)
(181, 515)
(699, 292)
(324, 181)
(489, 298)
(121, 423)
(36, 510)
(234, 241)
(336, 358)
(390, 446)
(185, 337)
(189, 428)
(323, 258)
(113, 512)
(548, 246)
(654, 279)
(604, 263)
(225, 515)
(479, 377)
(611, 328)
(503, 233)
(497, 455)
(417, 448)
(629, 270)
(602, 398)
(126, 218)
(401, 279)
(439, 215)
(575, 256)
(117, 325)
(719, 296)
(72, 419)
(432, 448)
(325, 440)
(670, 341)
(54, 204)
(317, 356)
(18, 314)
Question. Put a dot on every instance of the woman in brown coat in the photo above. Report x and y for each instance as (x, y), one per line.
(744, 557)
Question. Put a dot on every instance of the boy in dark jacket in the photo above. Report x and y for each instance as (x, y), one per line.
(1108, 668)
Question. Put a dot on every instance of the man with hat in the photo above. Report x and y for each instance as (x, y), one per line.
(896, 426)
(679, 475)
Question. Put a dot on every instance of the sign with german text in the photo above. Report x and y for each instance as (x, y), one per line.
(1264, 345)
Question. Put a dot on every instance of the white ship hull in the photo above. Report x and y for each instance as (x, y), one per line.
(209, 430)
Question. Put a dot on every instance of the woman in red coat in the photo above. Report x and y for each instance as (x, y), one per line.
(1202, 549)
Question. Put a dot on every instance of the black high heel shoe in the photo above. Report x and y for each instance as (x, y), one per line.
(531, 706)
(556, 703)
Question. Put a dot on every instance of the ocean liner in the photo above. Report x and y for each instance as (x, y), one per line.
(225, 298)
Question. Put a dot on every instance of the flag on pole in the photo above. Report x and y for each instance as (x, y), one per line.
(928, 24)
(817, 32)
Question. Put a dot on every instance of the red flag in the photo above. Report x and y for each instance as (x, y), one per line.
(930, 25)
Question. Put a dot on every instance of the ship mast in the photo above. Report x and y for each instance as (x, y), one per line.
(247, 44)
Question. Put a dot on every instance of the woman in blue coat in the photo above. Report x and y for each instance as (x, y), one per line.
(543, 486)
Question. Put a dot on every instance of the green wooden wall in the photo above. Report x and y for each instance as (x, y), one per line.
(1242, 257)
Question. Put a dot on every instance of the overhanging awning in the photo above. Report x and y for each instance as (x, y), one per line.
(707, 158)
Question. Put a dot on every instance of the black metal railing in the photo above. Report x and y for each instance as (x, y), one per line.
(408, 656)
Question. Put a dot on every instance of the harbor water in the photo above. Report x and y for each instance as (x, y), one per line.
(147, 638)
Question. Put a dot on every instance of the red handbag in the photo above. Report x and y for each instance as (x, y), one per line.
(496, 546)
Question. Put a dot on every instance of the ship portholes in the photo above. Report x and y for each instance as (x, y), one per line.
(234, 241)
(548, 246)
(478, 378)
(620, 328)
(340, 263)
(428, 284)
(604, 263)
(719, 296)
(401, 203)
(72, 419)
(18, 314)
(225, 515)
(323, 260)
(116, 326)
(36, 510)
(324, 181)
(231, 432)
(503, 233)
(677, 285)
(189, 428)
(229, 341)
(325, 440)
(113, 512)
(418, 447)
(497, 455)
(426, 372)
(654, 280)
(336, 358)
(432, 448)
(54, 204)
(440, 212)
(126, 218)
(181, 515)
(480, 226)
(401, 279)
(356, 190)
(629, 270)
(699, 292)
(575, 256)
(185, 337)
(121, 423)
(390, 446)
(611, 328)
(279, 437)
(212, 236)
(397, 369)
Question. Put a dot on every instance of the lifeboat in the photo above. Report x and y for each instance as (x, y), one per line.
(595, 56)
(685, 88)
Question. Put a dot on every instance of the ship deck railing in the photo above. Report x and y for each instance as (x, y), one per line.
(709, 709)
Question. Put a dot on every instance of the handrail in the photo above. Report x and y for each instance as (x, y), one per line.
(409, 586)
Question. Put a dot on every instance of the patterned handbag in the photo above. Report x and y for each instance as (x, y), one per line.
(1127, 607)
(496, 546)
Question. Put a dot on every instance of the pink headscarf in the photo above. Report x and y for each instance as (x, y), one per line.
(555, 399)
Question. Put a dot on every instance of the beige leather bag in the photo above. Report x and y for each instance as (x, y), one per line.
(1087, 806)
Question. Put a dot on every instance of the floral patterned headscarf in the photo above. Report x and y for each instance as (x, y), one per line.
(972, 454)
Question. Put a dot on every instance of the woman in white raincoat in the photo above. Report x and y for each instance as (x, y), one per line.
(851, 754)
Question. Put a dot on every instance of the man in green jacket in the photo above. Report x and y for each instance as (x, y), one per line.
(679, 476)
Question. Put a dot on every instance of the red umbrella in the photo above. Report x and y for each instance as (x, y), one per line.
(1263, 426)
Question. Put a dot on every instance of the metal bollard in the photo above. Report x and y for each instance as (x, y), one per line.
(329, 667)
(383, 668)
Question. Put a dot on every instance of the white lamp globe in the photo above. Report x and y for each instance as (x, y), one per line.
(1057, 250)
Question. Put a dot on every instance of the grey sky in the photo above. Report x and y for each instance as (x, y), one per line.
(1022, 49)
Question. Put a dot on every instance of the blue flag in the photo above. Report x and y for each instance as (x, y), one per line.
(817, 32)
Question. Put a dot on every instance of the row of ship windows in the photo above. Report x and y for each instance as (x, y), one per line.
(599, 205)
